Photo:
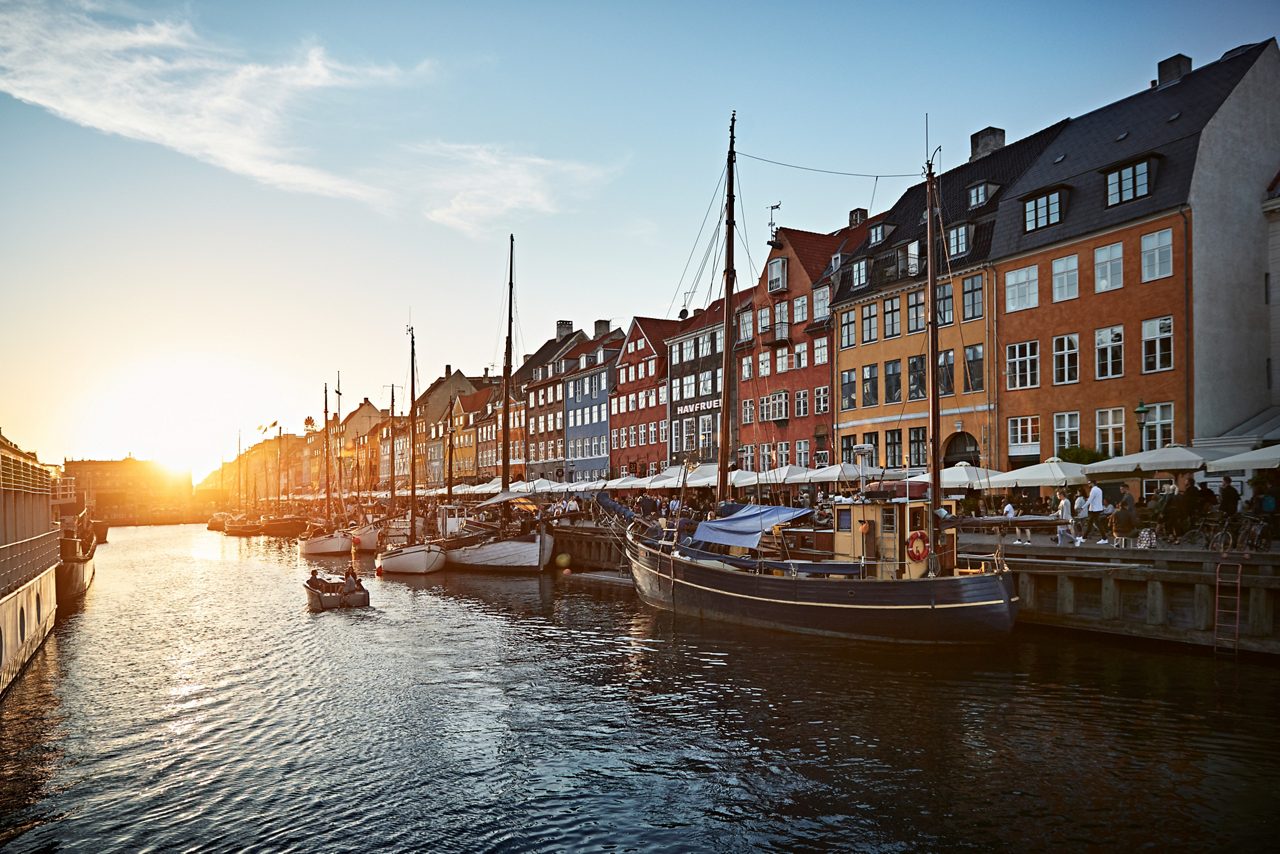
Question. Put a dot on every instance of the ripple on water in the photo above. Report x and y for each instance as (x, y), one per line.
(194, 702)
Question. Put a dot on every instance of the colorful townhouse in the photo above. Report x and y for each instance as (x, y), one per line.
(783, 353)
(638, 405)
(587, 387)
(544, 407)
(1131, 261)
(695, 372)
(881, 376)
(489, 433)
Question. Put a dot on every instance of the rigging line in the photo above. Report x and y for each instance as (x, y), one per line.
(741, 232)
(708, 257)
(715, 195)
(828, 171)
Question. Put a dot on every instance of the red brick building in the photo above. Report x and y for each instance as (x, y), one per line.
(638, 405)
(783, 351)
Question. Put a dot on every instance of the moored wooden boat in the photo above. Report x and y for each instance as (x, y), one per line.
(321, 543)
(242, 528)
(415, 559)
(284, 526)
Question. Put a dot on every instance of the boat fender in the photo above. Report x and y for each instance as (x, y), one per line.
(355, 541)
(917, 545)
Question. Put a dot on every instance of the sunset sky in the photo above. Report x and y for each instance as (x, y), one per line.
(209, 209)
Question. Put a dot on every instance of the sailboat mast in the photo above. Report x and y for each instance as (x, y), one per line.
(239, 472)
(726, 372)
(506, 370)
(338, 392)
(413, 444)
(392, 455)
(279, 467)
(931, 362)
(448, 477)
(328, 505)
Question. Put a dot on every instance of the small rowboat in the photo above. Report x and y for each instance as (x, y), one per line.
(417, 559)
(330, 596)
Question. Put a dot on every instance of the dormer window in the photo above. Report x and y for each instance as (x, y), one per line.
(777, 274)
(858, 274)
(1043, 210)
(958, 240)
(876, 234)
(835, 261)
(1128, 183)
(977, 196)
(910, 260)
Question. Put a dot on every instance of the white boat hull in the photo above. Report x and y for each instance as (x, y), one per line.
(328, 544)
(367, 537)
(520, 555)
(419, 559)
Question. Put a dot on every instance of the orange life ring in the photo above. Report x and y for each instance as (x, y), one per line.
(917, 545)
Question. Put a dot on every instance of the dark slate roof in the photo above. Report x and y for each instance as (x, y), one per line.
(904, 222)
(1163, 122)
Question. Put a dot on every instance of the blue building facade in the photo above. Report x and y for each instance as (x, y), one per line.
(586, 405)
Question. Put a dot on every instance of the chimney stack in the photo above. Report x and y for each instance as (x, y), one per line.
(448, 371)
(857, 216)
(602, 328)
(984, 142)
(1168, 70)
(564, 328)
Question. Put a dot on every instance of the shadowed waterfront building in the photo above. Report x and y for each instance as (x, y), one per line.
(694, 376)
(544, 405)
(131, 491)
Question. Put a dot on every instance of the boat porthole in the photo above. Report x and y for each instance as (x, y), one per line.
(38, 608)
(22, 625)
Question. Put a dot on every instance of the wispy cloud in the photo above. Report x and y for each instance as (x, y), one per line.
(466, 186)
(159, 81)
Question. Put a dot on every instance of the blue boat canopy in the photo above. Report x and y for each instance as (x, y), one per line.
(745, 527)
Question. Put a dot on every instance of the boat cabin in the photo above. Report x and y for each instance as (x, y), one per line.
(450, 519)
(892, 536)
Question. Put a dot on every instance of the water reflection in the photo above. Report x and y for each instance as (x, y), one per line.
(195, 693)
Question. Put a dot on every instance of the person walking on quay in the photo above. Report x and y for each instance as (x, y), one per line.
(1228, 498)
(1081, 514)
(1095, 507)
(1064, 514)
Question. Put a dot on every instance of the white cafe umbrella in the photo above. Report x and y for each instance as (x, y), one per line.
(1051, 472)
(1259, 458)
(780, 475)
(1170, 458)
(624, 482)
(960, 476)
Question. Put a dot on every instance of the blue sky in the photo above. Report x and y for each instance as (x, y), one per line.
(210, 209)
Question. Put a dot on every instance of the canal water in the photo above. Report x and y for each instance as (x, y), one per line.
(192, 702)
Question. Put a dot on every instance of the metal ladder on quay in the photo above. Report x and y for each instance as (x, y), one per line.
(1226, 609)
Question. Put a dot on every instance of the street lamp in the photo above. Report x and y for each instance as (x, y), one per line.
(1140, 412)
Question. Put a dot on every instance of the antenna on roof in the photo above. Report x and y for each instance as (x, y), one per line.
(773, 229)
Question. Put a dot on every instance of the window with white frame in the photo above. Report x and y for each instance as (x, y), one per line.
(1158, 431)
(848, 389)
(947, 372)
(1043, 211)
(821, 400)
(893, 317)
(782, 360)
(774, 407)
(1022, 365)
(1066, 278)
(1066, 431)
(764, 318)
(777, 274)
(893, 381)
(1021, 289)
(915, 311)
(820, 351)
(977, 195)
(870, 322)
(746, 367)
(763, 365)
(916, 378)
(687, 347)
(944, 305)
(875, 234)
(802, 453)
(1108, 267)
(801, 354)
(848, 328)
(822, 302)
(745, 326)
(858, 273)
(958, 240)
(1157, 345)
(972, 297)
(1066, 359)
(917, 446)
(706, 429)
(747, 457)
(870, 385)
(784, 454)
(675, 390)
(800, 309)
(1127, 183)
(1110, 430)
(704, 383)
(1109, 347)
(1157, 255)
(1024, 435)
(688, 386)
(802, 402)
